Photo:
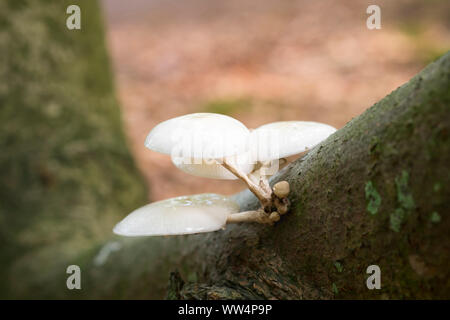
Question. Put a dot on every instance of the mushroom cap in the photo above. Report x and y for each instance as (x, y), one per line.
(199, 135)
(210, 168)
(281, 189)
(181, 215)
(281, 139)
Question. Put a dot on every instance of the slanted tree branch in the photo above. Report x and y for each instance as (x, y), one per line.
(376, 192)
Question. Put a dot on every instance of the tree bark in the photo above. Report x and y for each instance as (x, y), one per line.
(66, 174)
(374, 193)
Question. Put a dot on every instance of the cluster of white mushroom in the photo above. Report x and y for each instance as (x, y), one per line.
(220, 147)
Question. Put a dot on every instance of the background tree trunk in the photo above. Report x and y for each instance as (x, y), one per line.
(66, 175)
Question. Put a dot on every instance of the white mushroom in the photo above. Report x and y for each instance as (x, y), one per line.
(199, 135)
(180, 215)
(281, 189)
(282, 139)
(274, 141)
(217, 146)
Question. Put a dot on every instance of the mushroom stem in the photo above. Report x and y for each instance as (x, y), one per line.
(258, 216)
(263, 182)
(263, 196)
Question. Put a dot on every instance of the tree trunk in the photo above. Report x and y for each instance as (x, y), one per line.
(66, 175)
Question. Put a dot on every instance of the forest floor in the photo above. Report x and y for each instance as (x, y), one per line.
(260, 61)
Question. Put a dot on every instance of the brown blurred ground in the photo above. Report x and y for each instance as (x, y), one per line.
(260, 61)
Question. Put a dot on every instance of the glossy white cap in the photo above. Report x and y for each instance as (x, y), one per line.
(181, 215)
(282, 139)
(199, 135)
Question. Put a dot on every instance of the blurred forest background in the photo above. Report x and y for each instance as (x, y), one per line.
(66, 167)
(260, 61)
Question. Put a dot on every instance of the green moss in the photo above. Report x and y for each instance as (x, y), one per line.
(339, 266)
(435, 217)
(396, 219)
(334, 288)
(405, 202)
(373, 198)
(404, 196)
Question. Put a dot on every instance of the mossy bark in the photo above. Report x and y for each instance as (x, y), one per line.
(66, 175)
(375, 192)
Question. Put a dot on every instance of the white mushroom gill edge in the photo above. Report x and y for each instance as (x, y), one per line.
(181, 215)
(199, 135)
